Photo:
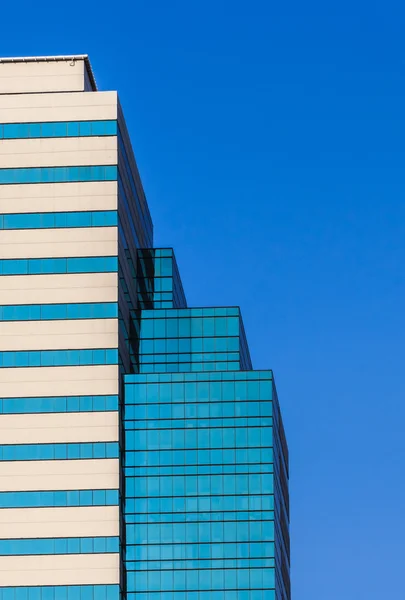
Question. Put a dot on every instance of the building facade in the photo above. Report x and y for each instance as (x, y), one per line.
(141, 456)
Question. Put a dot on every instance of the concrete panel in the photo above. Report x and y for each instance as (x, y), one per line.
(70, 569)
(58, 335)
(59, 428)
(58, 197)
(58, 152)
(83, 521)
(96, 474)
(54, 243)
(37, 108)
(59, 381)
(52, 76)
(59, 289)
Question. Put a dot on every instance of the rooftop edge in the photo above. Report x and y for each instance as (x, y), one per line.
(71, 57)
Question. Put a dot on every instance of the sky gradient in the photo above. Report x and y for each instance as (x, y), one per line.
(270, 140)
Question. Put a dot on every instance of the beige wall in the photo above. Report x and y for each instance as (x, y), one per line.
(94, 474)
(52, 76)
(59, 289)
(59, 381)
(82, 521)
(34, 108)
(58, 335)
(59, 428)
(18, 106)
(58, 152)
(70, 569)
(64, 243)
(58, 197)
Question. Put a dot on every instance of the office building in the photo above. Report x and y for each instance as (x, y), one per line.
(141, 456)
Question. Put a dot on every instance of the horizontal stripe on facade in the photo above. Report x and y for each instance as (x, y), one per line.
(26, 547)
(56, 428)
(72, 242)
(55, 312)
(201, 533)
(201, 470)
(203, 485)
(55, 475)
(66, 592)
(51, 499)
(59, 220)
(56, 404)
(59, 197)
(58, 358)
(56, 129)
(63, 106)
(67, 381)
(20, 77)
(196, 564)
(56, 335)
(203, 504)
(132, 518)
(39, 266)
(59, 522)
(206, 584)
(12, 452)
(59, 288)
(58, 153)
(60, 570)
(57, 174)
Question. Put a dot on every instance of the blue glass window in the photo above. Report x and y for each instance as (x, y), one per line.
(59, 498)
(20, 547)
(58, 358)
(58, 174)
(57, 129)
(66, 592)
(200, 493)
(49, 312)
(58, 451)
(59, 220)
(39, 266)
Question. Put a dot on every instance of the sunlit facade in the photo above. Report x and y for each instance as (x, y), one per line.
(141, 456)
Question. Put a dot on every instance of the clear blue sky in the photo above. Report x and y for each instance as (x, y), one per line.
(270, 139)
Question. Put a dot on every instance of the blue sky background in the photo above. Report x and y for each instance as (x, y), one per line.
(270, 139)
